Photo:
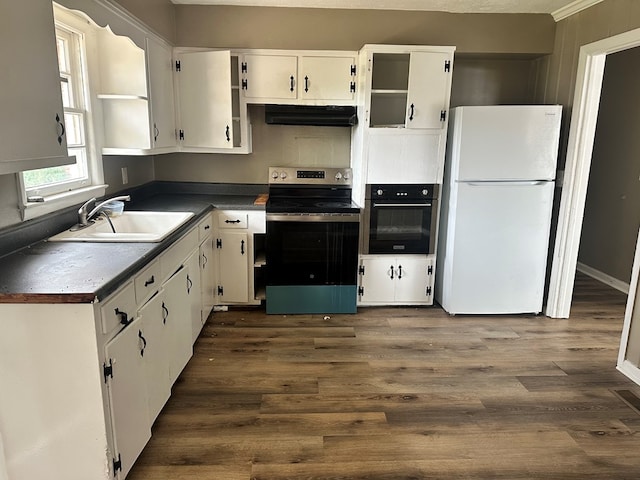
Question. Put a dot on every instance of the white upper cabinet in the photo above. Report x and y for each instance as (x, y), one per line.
(306, 78)
(205, 99)
(136, 91)
(32, 134)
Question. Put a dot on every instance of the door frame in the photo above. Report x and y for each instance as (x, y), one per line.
(584, 117)
(628, 368)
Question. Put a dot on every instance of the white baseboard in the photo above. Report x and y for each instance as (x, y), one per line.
(603, 277)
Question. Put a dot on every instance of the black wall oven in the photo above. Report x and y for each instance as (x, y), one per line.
(311, 241)
(400, 219)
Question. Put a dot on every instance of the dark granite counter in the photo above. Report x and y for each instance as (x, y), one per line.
(84, 272)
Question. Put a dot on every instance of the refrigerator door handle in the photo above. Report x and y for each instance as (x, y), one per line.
(507, 183)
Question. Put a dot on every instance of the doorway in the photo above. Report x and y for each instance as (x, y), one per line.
(581, 139)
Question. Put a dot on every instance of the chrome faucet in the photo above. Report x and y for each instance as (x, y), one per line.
(84, 216)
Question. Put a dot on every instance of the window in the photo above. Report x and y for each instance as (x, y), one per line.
(71, 184)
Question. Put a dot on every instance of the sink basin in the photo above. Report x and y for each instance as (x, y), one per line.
(129, 226)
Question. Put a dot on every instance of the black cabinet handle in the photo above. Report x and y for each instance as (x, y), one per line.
(189, 285)
(399, 272)
(156, 132)
(144, 343)
(227, 133)
(232, 221)
(306, 84)
(411, 114)
(207, 227)
(124, 318)
(391, 271)
(151, 281)
(292, 82)
(205, 260)
(165, 313)
(242, 247)
(62, 129)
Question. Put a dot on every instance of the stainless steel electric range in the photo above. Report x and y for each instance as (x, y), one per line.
(311, 241)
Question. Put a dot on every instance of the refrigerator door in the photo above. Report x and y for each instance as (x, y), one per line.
(496, 248)
(511, 142)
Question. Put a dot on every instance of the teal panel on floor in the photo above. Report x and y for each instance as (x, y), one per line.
(312, 299)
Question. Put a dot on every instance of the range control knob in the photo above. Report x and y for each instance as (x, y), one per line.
(338, 176)
(379, 192)
(346, 175)
(425, 192)
(283, 175)
(275, 175)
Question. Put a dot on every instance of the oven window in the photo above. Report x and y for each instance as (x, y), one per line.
(312, 253)
(399, 229)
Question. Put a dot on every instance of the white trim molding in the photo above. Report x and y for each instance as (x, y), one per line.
(573, 8)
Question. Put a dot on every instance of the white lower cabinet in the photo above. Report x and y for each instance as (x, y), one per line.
(125, 375)
(395, 280)
(234, 237)
(124, 351)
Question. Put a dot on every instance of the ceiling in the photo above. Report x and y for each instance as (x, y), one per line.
(454, 6)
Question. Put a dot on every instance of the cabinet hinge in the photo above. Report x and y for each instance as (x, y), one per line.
(360, 291)
(220, 290)
(353, 70)
(430, 270)
(361, 270)
(428, 291)
(180, 134)
(117, 464)
(443, 115)
(352, 87)
(243, 67)
(447, 65)
(107, 370)
(245, 84)
(218, 243)
(177, 65)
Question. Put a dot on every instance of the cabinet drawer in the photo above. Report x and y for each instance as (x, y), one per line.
(171, 260)
(205, 227)
(119, 309)
(147, 282)
(232, 220)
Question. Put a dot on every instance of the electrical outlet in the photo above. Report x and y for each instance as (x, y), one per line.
(125, 175)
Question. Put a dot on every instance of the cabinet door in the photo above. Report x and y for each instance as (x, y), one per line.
(233, 267)
(32, 131)
(194, 292)
(270, 77)
(163, 124)
(204, 98)
(413, 280)
(156, 359)
(177, 313)
(429, 84)
(326, 78)
(207, 278)
(128, 394)
(378, 280)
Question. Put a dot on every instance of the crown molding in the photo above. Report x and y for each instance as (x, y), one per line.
(573, 8)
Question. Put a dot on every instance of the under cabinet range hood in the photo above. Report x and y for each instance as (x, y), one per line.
(325, 116)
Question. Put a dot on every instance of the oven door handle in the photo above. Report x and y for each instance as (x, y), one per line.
(313, 218)
(376, 205)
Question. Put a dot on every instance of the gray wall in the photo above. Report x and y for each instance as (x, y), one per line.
(612, 212)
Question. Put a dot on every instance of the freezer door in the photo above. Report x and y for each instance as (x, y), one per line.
(506, 142)
(495, 252)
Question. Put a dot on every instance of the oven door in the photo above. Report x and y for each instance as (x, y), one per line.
(312, 249)
(394, 227)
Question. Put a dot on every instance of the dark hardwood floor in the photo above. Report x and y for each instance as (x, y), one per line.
(402, 393)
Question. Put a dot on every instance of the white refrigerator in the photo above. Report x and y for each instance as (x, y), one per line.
(496, 208)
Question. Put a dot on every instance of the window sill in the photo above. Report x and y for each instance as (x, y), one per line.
(53, 203)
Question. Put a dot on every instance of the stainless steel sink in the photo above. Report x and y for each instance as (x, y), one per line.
(128, 226)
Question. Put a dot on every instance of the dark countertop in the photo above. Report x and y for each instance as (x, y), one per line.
(84, 272)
